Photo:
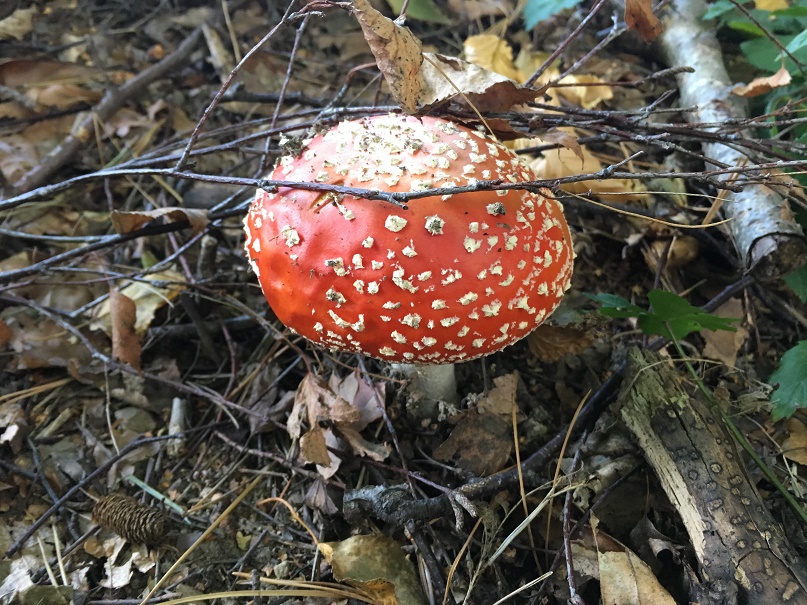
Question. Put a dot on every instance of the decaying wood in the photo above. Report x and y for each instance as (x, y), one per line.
(765, 233)
(737, 542)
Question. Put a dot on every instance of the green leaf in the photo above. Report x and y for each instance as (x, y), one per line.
(791, 382)
(798, 43)
(721, 7)
(798, 282)
(536, 11)
(672, 317)
(420, 10)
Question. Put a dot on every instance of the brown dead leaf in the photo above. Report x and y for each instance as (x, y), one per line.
(313, 447)
(564, 137)
(794, 446)
(5, 333)
(552, 343)
(444, 78)
(683, 250)
(627, 580)
(760, 86)
(722, 344)
(125, 341)
(481, 443)
(126, 222)
(149, 295)
(396, 50)
(502, 397)
(639, 17)
(376, 564)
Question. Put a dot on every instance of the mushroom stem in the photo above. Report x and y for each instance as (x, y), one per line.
(436, 382)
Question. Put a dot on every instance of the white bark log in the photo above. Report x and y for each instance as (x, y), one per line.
(767, 237)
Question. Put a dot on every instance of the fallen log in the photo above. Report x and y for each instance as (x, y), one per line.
(742, 552)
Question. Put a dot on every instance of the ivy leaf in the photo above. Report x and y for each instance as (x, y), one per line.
(791, 382)
(672, 317)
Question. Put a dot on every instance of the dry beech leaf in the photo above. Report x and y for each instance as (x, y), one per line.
(558, 163)
(483, 439)
(683, 250)
(584, 90)
(377, 565)
(552, 343)
(148, 295)
(639, 17)
(125, 341)
(760, 86)
(565, 138)
(722, 344)
(126, 222)
(313, 447)
(481, 443)
(492, 53)
(396, 50)
(794, 446)
(444, 78)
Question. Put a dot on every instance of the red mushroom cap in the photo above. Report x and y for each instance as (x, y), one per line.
(449, 279)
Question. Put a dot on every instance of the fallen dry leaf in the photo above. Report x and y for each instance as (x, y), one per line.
(492, 53)
(18, 24)
(313, 447)
(639, 17)
(126, 222)
(378, 565)
(584, 90)
(564, 137)
(444, 78)
(125, 341)
(760, 86)
(722, 344)
(149, 295)
(481, 443)
(558, 163)
(396, 50)
(551, 343)
(794, 446)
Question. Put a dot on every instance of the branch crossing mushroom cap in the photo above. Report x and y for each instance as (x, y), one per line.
(451, 278)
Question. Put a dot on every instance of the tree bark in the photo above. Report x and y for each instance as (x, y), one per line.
(765, 232)
(741, 550)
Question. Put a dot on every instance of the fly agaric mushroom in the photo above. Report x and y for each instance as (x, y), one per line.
(448, 279)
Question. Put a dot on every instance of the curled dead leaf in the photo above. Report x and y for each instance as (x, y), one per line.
(126, 222)
(640, 18)
(396, 50)
(552, 343)
(761, 86)
(125, 341)
(443, 78)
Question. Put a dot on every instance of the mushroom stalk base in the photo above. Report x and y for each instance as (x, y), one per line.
(436, 383)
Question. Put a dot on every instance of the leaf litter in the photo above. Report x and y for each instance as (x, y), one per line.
(167, 311)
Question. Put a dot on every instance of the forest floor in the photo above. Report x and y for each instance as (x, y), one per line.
(139, 357)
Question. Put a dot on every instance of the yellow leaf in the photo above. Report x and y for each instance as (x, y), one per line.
(770, 5)
(492, 53)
